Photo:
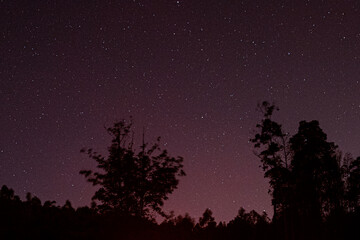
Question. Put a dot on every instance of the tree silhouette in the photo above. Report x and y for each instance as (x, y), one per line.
(133, 182)
(315, 192)
(352, 182)
(317, 176)
(274, 154)
(248, 225)
(207, 220)
(305, 174)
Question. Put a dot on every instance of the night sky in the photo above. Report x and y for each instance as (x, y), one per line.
(191, 72)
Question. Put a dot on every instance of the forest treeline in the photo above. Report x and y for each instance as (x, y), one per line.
(315, 191)
(31, 219)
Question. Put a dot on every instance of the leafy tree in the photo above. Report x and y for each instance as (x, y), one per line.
(133, 182)
(352, 194)
(185, 223)
(316, 168)
(304, 172)
(33, 200)
(207, 220)
(68, 206)
(317, 178)
(273, 151)
(8, 194)
(49, 204)
(248, 225)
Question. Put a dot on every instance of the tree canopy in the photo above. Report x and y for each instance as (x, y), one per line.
(308, 178)
(133, 182)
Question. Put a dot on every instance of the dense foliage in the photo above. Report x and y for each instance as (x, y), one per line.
(30, 219)
(133, 182)
(311, 183)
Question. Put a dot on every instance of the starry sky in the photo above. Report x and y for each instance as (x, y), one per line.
(191, 72)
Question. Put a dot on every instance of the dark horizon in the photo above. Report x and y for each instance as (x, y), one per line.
(190, 72)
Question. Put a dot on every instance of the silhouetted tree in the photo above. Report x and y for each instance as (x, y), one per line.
(351, 170)
(317, 175)
(133, 181)
(49, 204)
(272, 144)
(207, 220)
(304, 171)
(8, 194)
(248, 225)
(33, 200)
(185, 222)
